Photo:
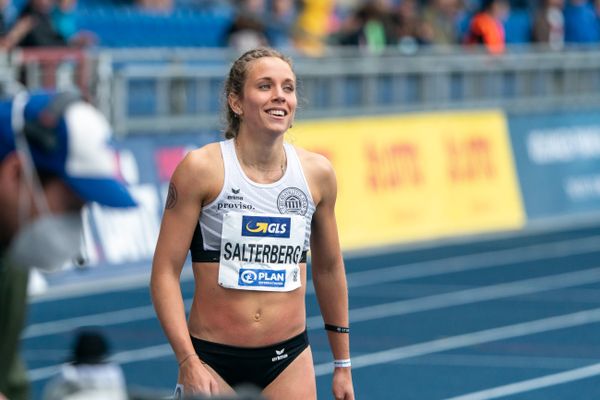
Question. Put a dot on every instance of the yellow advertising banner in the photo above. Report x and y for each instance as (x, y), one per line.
(419, 176)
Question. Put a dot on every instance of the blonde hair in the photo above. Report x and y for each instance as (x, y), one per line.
(234, 84)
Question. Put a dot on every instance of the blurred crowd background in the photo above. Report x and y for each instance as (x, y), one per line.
(298, 25)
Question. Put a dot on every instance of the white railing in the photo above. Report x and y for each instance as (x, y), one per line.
(174, 90)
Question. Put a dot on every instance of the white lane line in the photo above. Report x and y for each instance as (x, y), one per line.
(402, 307)
(39, 374)
(497, 361)
(108, 318)
(88, 287)
(468, 296)
(399, 353)
(124, 357)
(102, 319)
(363, 278)
(533, 384)
(469, 339)
(146, 353)
(474, 261)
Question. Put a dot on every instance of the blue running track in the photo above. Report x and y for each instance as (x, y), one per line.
(515, 317)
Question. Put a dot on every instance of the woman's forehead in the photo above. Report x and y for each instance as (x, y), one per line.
(270, 67)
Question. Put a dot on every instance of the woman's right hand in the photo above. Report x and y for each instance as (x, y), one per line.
(196, 379)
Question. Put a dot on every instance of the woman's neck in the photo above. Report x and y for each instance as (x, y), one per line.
(267, 157)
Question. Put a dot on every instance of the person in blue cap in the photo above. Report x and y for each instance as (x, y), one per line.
(55, 157)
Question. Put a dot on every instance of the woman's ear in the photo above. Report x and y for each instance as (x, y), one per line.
(234, 103)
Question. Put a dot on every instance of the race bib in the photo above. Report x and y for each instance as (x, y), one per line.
(261, 252)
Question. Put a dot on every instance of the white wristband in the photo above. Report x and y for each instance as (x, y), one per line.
(342, 363)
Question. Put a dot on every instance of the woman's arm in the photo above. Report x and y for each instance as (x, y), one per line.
(329, 277)
(19, 30)
(187, 191)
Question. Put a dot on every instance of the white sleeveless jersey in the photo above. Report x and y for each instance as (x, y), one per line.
(289, 195)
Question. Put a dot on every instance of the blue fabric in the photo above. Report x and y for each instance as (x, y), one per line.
(48, 138)
(47, 159)
(65, 22)
(581, 24)
(108, 192)
(517, 27)
(7, 143)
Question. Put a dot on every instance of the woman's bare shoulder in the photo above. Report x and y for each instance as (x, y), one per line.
(315, 165)
(202, 161)
(319, 174)
(200, 171)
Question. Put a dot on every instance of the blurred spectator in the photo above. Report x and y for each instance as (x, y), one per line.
(34, 27)
(370, 27)
(64, 20)
(409, 28)
(549, 24)
(281, 19)
(54, 157)
(440, 19)
(581, 22)
(88, 376)
(46, 23)
(486, 26)
(518, 23)
(156, 6)
(8, 13)
(248, 29)
(313, 25)
(3, 23)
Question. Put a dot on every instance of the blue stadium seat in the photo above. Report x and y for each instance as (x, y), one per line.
(131, 27)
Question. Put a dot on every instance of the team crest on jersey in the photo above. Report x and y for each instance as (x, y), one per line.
(292, 200)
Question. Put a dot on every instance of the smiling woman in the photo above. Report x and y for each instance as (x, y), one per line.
(248, 209)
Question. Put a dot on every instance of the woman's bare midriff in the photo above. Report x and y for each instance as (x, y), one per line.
(244, 318)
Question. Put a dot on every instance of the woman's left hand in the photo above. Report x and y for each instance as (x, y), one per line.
(342, 384)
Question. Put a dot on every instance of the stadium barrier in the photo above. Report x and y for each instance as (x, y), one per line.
(170, 90)
(184, 95)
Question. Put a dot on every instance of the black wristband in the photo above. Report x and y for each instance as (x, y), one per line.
(337, 329)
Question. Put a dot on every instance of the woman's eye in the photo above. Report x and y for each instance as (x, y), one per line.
(264, 86)
(289, 89)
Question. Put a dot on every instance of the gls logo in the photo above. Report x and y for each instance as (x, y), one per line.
(266, 226)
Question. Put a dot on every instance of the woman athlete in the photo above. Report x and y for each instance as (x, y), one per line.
(248, 209)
